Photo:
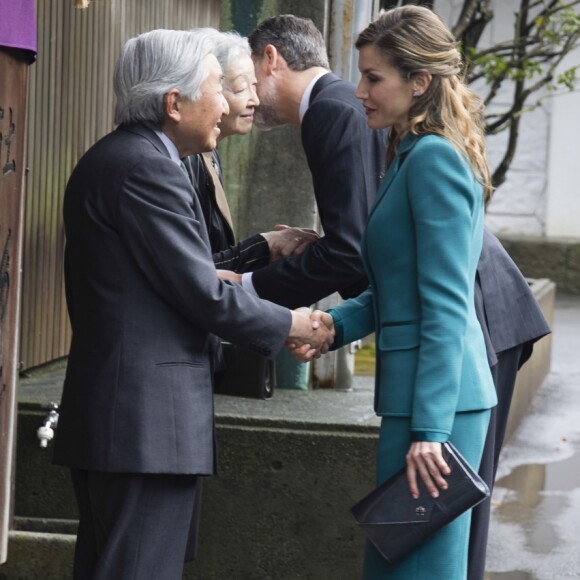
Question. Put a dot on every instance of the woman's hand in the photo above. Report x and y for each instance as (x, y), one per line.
(229, 276)
(425, 459)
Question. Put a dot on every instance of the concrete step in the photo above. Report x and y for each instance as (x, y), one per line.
(290, 469)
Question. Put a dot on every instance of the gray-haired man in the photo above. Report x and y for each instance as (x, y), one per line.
(136, 423)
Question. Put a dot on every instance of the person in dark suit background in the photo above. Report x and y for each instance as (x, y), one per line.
(346, 160)
(502, 295)
(345, 157)
(136, 421)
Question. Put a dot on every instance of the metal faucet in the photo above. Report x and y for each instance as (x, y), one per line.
(46, 431)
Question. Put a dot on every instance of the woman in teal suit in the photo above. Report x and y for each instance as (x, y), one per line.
(420, 248)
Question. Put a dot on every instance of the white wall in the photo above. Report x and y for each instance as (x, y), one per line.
(563, 191)
(540, 196)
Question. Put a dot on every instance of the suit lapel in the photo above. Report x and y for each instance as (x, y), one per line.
(220, 195)
(403, 150)
(387, 180)
(321, 84)
(383, 188)
(148, 134)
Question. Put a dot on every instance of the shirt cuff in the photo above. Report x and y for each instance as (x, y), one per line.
(247, 283)
(430, 436)
(338, 331)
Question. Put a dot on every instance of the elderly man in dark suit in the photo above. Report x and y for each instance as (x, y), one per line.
(346, 159)
(136, 424)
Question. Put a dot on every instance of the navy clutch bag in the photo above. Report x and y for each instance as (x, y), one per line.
(396, 523)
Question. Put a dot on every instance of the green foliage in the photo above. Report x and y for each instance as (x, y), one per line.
(545, 32)
(364, 360)
(551, 34)
(569, 78)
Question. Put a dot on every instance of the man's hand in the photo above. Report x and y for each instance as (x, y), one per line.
(311, 334)
(229, 276)
(286, 241)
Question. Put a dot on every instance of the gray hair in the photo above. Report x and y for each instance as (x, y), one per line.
(151, 65)
(227, 46)
(296, 39)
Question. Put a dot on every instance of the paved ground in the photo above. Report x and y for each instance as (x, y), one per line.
(535, 528)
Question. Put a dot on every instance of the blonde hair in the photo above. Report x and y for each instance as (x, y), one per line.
(412, 39)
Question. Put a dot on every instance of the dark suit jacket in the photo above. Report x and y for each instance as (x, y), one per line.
(345, 158)
(507, 310)
(143, 298)
(245, 256)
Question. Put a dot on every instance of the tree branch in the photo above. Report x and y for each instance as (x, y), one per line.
(468, 12)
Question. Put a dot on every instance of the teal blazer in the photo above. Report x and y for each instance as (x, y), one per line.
(420, 249)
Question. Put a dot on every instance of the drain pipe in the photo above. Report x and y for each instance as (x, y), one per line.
(347, 19)
(45, 432)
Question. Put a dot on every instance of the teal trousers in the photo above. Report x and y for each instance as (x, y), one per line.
(444, 555)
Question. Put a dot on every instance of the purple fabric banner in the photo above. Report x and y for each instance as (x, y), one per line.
(18, 25)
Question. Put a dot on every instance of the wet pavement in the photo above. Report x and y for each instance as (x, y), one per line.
(535, 525)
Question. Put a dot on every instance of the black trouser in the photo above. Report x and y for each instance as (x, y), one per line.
(135, 526)
(504, 377)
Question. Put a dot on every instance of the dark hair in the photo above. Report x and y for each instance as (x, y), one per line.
(296, 39)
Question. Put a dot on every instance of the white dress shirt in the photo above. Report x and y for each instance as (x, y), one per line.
(171, 148)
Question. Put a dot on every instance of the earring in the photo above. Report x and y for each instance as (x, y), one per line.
(416, 93)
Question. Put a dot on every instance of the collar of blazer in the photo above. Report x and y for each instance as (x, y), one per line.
(148, 134)
(409, 141)
(322, 83)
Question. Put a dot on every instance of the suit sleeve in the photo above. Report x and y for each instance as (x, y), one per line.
(158, 224)
(510, 312)
(353, 319)
(248, 255)
(443, 202)
(342, 157)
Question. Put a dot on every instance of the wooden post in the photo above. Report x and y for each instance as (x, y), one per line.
(13, 83)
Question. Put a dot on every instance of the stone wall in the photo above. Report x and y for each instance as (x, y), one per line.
(558, 260)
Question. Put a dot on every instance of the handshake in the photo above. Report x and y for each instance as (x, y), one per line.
(311, 334)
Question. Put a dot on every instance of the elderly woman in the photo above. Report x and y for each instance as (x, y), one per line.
(420, 248)
(239, 90)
